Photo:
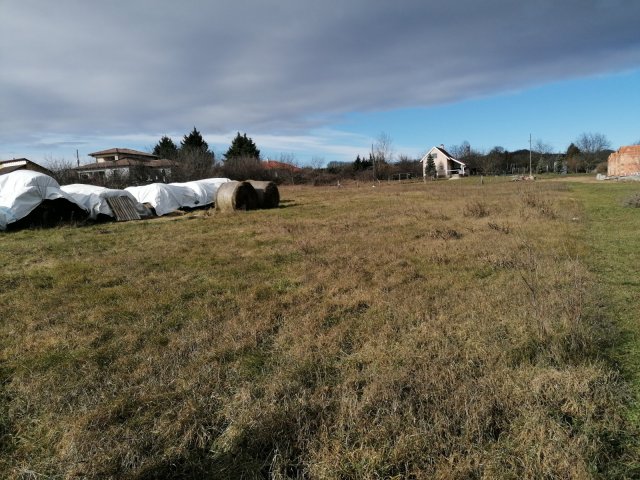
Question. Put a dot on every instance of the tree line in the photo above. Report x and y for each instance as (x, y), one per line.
(588, 153)
(193, 159)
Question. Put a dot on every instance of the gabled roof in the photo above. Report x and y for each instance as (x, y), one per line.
(128, 162)
(121, 151)
(7, 166)
(18, 161)
(444, 152)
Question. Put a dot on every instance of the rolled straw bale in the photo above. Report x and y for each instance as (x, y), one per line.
(236, 196)
(268, 194)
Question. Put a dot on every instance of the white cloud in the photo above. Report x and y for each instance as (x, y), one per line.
(282, 69)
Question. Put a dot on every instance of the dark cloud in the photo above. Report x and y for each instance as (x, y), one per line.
(146, 66)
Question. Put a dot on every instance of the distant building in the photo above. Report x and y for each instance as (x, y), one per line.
(8, 166)
(123, 162)
(626, 161)
(280, 169)
(446, 165)
(274, 165)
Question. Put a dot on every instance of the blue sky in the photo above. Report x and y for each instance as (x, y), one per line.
(556, 113)
(315, 81)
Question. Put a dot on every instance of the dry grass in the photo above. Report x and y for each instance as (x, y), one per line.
(352, 333)
(633, 201)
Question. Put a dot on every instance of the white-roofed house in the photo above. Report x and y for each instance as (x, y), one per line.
(446, 165)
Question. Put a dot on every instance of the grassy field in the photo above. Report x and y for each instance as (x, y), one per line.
(613, 235)
(440, 330)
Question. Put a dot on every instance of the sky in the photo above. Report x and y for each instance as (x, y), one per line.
(314, 82)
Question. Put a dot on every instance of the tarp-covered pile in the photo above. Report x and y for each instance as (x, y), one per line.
(205, 189)
(31, 198)
(95, 199)
(22, 192)
(166, 198)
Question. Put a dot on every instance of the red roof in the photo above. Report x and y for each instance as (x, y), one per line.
(274, 165)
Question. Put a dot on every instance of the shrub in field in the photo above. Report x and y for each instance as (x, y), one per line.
(535, 201)
(633, 201)
(502, 228)
(445, 234)
(476, 209)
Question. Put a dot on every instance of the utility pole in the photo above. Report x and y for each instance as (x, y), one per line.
(530, 171)
(373, 160)
(77, 157)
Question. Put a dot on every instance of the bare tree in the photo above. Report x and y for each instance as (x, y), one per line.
(490, 163)
(592, 142)
(543, 151)
(406, 164)
(193, 164)
(460, 151)
(290, 171)
(317, 162)
(62, 170)
(383, 148)
(592, 146)
(314, 172)
(243, 168)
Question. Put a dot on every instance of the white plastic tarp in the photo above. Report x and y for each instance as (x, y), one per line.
(205, 189)
(94, 199)
(165, 198)
(22, 191)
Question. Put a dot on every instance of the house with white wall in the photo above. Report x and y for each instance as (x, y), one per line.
(446, 165)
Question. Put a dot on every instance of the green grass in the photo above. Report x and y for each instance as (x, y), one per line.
(613, 235)
(439, 330)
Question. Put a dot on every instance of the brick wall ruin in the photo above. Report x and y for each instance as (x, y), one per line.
(626, 161)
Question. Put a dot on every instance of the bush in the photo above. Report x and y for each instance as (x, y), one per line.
(476, 209)
(602, 167)
(243, 168)
(633, 201)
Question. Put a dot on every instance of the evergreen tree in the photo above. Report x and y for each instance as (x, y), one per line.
(573, 158)
(431, 165)
(194, 160)
(165, 148)
(357, 165)
(572, 151)
(242, 147)
(194, 142)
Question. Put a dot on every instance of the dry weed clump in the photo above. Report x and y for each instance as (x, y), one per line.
(342, 338)
(445, 234)
(477, 209)
(502, 228)
(633, 201)
(534, 200)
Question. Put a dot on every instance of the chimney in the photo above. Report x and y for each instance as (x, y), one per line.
(442, 146)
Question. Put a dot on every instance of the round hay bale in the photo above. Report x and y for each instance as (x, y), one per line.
(268, 194)
(236, 196)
